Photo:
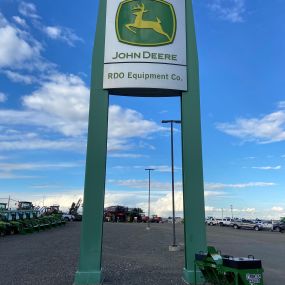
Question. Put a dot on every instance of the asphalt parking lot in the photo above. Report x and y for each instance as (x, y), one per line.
(131, 255)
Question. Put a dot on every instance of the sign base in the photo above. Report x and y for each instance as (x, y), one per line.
(189, 277)
(88, 278)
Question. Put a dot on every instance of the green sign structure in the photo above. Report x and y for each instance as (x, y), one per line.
(146, 22)
(136, 28)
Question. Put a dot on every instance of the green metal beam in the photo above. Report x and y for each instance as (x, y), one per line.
(89, 271)
(193, 185)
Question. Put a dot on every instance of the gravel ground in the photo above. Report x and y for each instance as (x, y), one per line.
(131, 255)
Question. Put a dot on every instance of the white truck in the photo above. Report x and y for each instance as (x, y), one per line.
(227, 221)
(211, 221)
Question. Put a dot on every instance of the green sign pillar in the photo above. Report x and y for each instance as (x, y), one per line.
(193, 184)
(89, 271)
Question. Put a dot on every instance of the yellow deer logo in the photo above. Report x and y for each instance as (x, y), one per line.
(139, 23)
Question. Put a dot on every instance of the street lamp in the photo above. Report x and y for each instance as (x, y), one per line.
(149, 170)
(174, 245)
(232, 211)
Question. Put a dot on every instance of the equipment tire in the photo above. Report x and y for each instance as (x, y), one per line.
(235, 227)
(256, 228)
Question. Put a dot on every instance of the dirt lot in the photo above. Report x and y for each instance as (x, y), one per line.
(131, 255)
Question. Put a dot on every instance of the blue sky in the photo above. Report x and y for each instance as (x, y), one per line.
(45, 66)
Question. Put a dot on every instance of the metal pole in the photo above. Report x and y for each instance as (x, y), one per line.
(172, 176)
(148, 225)
(232, 212)
(222, 213)
(9, 202)
(148, 221)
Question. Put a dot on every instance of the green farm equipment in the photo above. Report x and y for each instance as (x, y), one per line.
(220, 269)
(3, 228)
(28, 219)
(7, 226)
(14, 226)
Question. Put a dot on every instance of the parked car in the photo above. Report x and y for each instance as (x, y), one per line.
(178, 220)
(247, 224)
(279, 227)
(267, 225)
(211, 221)
(225, 221)
(68, 217)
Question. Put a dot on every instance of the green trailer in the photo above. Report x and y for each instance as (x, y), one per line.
(220, 269)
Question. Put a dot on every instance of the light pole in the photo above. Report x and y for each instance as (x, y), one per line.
(149, 170)
(174, 245)
(232, 211)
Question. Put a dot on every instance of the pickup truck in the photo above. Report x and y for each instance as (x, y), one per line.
(226, 222)
(211, 221)
(279, 227)
(247, 224)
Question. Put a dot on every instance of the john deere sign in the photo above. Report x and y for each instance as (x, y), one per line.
(145, 45)
(146, 23)
(140, 50)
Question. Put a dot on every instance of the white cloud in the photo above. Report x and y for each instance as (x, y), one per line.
(210, 188)
(18, 49)
(277, 209)
(128, 123)
(64, 100)
(212, 193)
(13, 49)
(62, 33)
(267, 129)
(60, 105)
(143, 184)
(126, 155)
(3, 97)
(12, 176)
(229, 10)
(163, 206)
(215, 186)
(17, 77)
(16, 140)
(8, 167)
(41, 144)
(20, 21)
(28, 10)
(267, 167)
(235, 210)
(210, 209)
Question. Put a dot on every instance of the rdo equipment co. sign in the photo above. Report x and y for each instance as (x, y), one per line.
(145, 45)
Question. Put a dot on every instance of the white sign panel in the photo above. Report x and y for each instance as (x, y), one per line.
(145, 45)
